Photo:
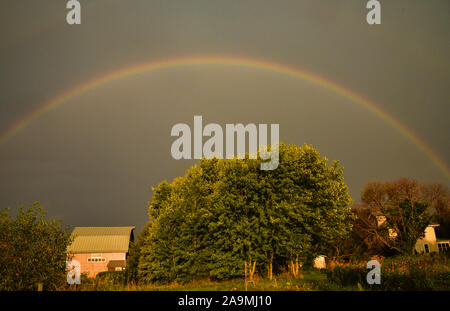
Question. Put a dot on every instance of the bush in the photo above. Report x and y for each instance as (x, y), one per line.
(414, 281)
(422, 272)
(104, 281)
(32, 250)
(347, 275)
(115, 277)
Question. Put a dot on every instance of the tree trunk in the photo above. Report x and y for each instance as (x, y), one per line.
(245, 274)
(270, 272)
(295, 267)
(271, 267)
(294, 274)
(252, 270)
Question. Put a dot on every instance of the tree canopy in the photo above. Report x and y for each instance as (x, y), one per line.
(32, 250)
(223, 213)
(406, 206)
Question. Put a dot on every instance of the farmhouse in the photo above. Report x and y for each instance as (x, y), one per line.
(429, 243)
(99, 249)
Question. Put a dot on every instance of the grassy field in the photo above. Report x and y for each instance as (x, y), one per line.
(308, 281)
(418, 272)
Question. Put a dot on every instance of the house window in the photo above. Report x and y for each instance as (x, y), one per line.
(443, 247)
(427, 249)
(96, 258)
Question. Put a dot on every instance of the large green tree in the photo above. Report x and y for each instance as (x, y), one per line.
(32, 250)
(223, 213)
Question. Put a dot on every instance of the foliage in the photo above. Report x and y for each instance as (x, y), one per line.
(113, 276)
(225, 212)
(32, 250)
(131, 271)
(104, 281)
(421, 272)
(310, 280)
(348, 275)
(109, 279)
(393, 215)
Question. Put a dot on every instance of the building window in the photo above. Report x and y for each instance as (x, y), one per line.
(92, 259)
(443, 247)
(96, 258)
(427, 249)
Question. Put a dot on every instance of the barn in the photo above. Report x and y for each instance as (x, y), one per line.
(99, 249)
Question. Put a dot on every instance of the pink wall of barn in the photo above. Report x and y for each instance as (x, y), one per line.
(92, 268)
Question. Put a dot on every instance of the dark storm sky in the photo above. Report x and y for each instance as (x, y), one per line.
(93, 160)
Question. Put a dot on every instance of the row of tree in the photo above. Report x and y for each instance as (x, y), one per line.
(226, 215)
(228, 218)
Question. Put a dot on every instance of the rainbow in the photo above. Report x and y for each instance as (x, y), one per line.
(243, 62)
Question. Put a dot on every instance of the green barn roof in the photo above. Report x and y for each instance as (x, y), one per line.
(101, 240)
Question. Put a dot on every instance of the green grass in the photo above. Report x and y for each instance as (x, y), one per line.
(418, 272)
(308, 280)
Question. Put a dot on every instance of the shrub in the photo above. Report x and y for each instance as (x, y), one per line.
(32, 250)
(115, 277)
(104, 281)
(422, 272)
(347, 275)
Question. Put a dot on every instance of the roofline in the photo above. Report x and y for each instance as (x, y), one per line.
(97, 251)
(129, 227)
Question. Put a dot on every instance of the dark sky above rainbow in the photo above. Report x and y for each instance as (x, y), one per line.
(86, 110)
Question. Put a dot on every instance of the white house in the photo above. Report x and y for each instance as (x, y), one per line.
(430, 243)
(427, 244)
